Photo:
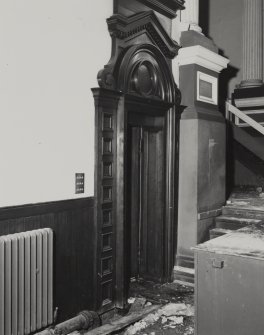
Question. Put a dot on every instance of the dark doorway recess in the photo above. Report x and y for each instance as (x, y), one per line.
(136, 116)
(146, 185)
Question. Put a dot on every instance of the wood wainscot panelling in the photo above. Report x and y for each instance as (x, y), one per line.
(73, 225)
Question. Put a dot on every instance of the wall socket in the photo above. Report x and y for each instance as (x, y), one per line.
(79, 183)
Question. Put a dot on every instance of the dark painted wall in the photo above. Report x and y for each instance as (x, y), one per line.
(72, 223)
(222, 21)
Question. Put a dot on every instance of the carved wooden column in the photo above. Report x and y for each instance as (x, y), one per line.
(190, 16)
(252, 43)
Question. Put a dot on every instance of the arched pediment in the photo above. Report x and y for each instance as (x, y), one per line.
(136, 31)
(127, 29)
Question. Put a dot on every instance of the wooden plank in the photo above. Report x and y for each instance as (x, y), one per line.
(123, 322)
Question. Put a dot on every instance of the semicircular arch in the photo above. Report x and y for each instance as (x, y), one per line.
(143, 70)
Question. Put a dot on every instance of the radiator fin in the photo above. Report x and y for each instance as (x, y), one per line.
(2, 286)
(26, 282)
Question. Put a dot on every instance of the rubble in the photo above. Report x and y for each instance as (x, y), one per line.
(177, 309)
(155, 309)
(131, 300)
(189, 331)
(138, 304)
(170, 316)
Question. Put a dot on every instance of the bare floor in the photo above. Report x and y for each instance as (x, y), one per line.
(175, 310)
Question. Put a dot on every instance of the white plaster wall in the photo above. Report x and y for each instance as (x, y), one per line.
(50, 53)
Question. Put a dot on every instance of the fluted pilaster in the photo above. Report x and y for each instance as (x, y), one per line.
(190, 16)
(252, 68)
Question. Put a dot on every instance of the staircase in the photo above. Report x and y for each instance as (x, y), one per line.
(244, 207)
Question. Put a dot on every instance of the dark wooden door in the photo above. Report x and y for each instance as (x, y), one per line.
(146, 196)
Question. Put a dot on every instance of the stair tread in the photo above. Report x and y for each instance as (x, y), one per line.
(244, 207)
(258, 203)
(220, 230)
(236, 219)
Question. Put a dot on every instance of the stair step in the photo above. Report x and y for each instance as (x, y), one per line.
(244, 212)
(234, 222)
(183, 275)
(249, 202)
(216, 232)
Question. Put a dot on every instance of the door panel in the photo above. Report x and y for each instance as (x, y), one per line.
(145, 199)
(134, 186)
(152, 246)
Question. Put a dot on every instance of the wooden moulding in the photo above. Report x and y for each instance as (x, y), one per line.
(168, 8)
(140, 45)
(14, 212)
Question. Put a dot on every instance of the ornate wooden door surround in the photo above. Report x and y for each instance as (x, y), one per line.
(137, 79)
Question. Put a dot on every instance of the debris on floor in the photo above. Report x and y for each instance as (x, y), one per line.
(175, 315)
(138, 304)
(170, 316)
(155, 309)
(118, 324)
(189, 331)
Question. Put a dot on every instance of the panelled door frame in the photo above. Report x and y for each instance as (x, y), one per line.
(152, 108)
(142, 82)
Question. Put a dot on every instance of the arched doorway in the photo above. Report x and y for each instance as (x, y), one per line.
(136, 163)
(144, 76)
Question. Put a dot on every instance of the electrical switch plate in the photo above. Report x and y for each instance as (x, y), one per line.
(79, 183)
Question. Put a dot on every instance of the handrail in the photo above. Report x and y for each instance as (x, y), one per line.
(251, 122)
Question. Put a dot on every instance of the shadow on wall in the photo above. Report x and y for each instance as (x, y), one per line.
(227, 74)
(204, 9)
(230, 166)
(224, 81)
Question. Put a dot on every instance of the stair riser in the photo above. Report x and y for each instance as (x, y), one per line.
(243, 213)
(183, 277)
(230, 225)
(215, 235)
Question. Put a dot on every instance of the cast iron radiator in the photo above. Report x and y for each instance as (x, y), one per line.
(26, 282)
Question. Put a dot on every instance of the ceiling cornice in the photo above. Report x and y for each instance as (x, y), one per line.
(168, 8)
